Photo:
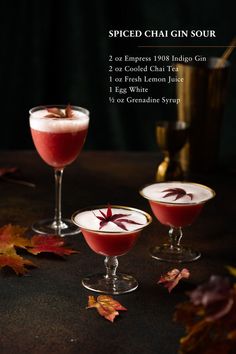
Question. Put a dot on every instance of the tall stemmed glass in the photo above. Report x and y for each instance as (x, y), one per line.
(58, 133)
(176, 204)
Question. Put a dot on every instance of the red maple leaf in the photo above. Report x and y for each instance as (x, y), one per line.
(117, 219)
(49, 243)
(178, 192)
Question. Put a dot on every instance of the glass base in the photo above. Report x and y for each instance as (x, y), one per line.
(124, 283)
(174, 254)
(49, 226)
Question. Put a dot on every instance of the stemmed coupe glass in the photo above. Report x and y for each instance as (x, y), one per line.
(58, 133)
(176, 204)
(111, 231)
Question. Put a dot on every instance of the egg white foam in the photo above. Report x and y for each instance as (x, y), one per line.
(88, 220)
(78, 122)
(158, 191)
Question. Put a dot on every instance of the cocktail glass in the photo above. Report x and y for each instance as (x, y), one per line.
(111, 231)
(58, 134)
(176, 204)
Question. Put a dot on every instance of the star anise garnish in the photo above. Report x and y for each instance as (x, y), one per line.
(117, 219)
(178, 192)
(55, 112)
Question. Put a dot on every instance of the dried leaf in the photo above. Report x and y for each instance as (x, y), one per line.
(12, 260)
(49, 243)
(215, 296)
(209, 318)
(55, 112)
(178, 192)
(69, 111)
(172, 278)
(117, 219)
(12, 237)
(106, 306)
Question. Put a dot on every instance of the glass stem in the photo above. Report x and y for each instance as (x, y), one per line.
(175, 234)
(58, 180)
(111, 264)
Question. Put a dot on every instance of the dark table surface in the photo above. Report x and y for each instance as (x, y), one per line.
(45, 312)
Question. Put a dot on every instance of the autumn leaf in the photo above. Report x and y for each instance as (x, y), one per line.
(49, 243)
(172, 278)
(118, 219)
(55, 112)
(106, 306)
(12, 237)
(12, 260)
(177, 193)
(209, 318)
(215, 296)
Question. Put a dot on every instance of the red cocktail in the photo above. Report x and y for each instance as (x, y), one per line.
(111, 231)
(114, 245)
(176, 204)
(175, 215)
(59, 149)
(58, 133)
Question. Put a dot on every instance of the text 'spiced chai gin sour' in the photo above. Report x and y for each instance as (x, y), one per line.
(58, 133)
(111, 231)
(176, 204)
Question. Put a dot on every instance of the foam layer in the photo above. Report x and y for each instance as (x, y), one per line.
(157, 192)
(88, 220)
(78, 122)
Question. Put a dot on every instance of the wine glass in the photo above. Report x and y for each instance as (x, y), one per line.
(58, 133)
(111, 231)
(176, 204)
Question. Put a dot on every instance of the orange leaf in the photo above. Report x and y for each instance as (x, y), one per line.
(49, 243)
(11, 236)
(106, 306)
(13, 260)
(172, 278)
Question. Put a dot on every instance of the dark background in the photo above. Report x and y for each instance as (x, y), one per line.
(57, 52)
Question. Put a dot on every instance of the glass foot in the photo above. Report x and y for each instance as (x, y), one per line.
(174, 254)
(122, 284)
(49, 226)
